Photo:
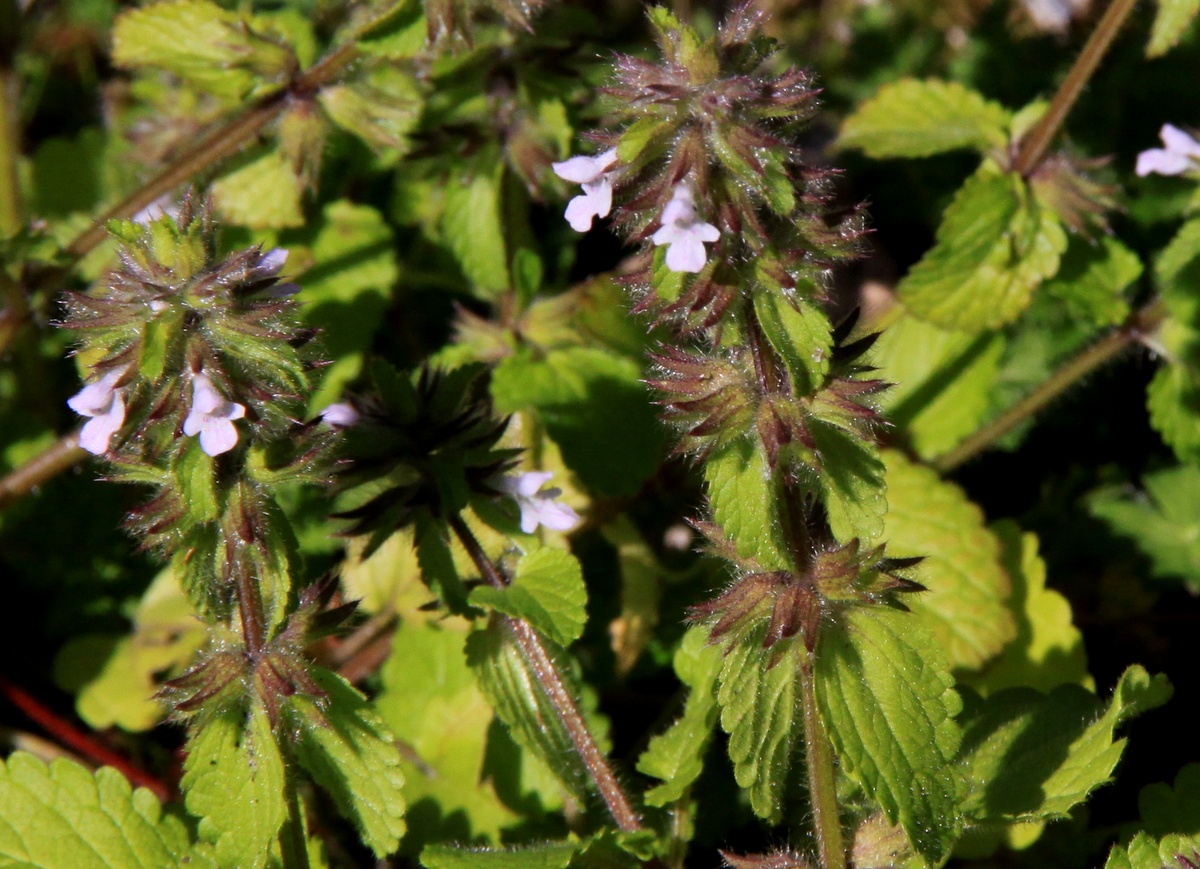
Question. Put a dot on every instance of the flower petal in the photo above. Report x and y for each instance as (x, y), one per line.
(556, 516)
(584, 169)
(580, 212)
(529, 483)
(218, 436)
(1162, 162)
(271, 262)
(687, 254)
(1178, 141)
(339, 415)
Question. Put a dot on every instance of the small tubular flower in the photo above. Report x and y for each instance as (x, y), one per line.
(592, 173)
(684, 232)
(538, 507)
(1181, 153)
(105, 404)
(212, 417)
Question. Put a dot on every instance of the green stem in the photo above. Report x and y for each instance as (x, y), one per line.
(293, 836)
(10, 151)
(217, 145)
(551, 681)
(822, 782)
(1139, 324)
(1034, 145)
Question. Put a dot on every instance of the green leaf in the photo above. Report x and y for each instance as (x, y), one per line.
(677, 755)
(759, 710)
(595, 408)
(743, 495)
(1165, 523)
(1180, 252)
(1048, 648)
(382, 110)
(193, 474)
(943, 380)
(1143, 852)
(799, 332)
(994, 246)
(911, 118)
(853, 480)
(552, 855)
(1170, 23)
(547, 591)
(513, 689)
(65, 817)
(233, 781)
(881, 666)
(1030, 756)
(205, 45)
(432, 703)
(967, 602)
(472, 227)
(116, 678)
(350, 753)
(1092, 279)
(347, 289)
(642, 580)
(1166, 810)
(262, 194)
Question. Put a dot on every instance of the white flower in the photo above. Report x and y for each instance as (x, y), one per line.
(340, 415)
(271, 263)
(1182, 153)
(684, 232)
(538, 507)
(106, 407)
(212, 417)
(596, 199)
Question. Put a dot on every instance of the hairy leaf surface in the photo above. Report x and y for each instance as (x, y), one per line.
(552, 855)
(1170, 23)
(888, 701)
(743, 495)
(547, 590)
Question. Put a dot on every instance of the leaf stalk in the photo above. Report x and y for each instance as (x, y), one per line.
(1139, 324)
(1034, 145)
(551, 681)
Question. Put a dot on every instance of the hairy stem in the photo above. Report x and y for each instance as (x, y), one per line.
(217, 145)
(1139, 324)
(550, 679)
(822, 782)
(293, 836)
(1035, 143)
(65, 453)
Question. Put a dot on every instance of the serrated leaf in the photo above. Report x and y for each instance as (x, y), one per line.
(193, 473)
(1170, 23)
(197, 40)
(1144, 852)
(677, 755)
(62, 816)
(595, 408)
(853, 480)
(1030, 756)
(1180, 252)
(760, 711)
(1092, 279)
(1165, 809)
(994, 246)
(1048, 649)
(262, 194)
(472, 227)
(743, 496)
(512, 688)
(233, 781)
(547, 591)
(553, 855)
(1165, 523)
(382, 110)
(881, 666)
(966, 605)
(349, 752)
(943, 380)
(800, 333)
(431, 702)
(911, 118)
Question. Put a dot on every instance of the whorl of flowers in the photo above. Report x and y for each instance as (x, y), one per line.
(702, 159)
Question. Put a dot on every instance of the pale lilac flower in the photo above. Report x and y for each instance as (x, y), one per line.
(1054, 16)
(684, 232)
(271, 263)
(1181, 154)
(105, 404)
(596, 199)
(339, 415)
(212, 417)
(538, 507)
